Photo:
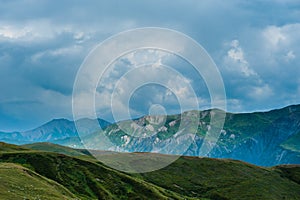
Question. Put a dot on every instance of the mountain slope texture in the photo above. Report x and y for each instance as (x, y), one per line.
(261, 138)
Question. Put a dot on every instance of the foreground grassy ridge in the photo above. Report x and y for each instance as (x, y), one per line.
(86, 179)
(226, 179)
(187, 178)
(292, 172)
(18, 182)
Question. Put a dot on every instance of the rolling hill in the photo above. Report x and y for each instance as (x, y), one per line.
(18, 182)
(83, 177)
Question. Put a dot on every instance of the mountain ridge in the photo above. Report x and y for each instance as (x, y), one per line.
(55, 129)
(256, 137)
(262, 138)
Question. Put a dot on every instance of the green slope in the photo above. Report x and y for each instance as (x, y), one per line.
(292, 172)
(18, 182)
(224, 179)
(293, 143)
(4, 147)
(46, 146)
(187, 178)
(87, 180)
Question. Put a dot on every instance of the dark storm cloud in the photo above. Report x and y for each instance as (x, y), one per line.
(42, 44)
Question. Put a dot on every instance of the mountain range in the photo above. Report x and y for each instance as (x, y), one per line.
(261, 138)
(54, 130)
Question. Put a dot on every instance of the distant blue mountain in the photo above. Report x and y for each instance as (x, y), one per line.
(54, 130)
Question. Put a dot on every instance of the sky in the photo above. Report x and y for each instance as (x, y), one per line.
(254, 44)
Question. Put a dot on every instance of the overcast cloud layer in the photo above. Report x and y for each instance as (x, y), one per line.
(256, 46)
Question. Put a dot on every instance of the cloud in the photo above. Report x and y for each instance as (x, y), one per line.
(260, 92)
(31, 31)
(13, 33)
(279, 43)
(143, 73)
(42, 45)
(244, 85)
(271, 53)
(74, 50)
(290, 56)
(274, 36)
(24, 110)
(237, 60)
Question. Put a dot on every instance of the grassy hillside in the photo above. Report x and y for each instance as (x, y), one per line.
(18, 182)
(187, 178)
(4, 147)
(293, 143)
(87, 180)
(46, 146)
(292, 172)
(225, 179)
